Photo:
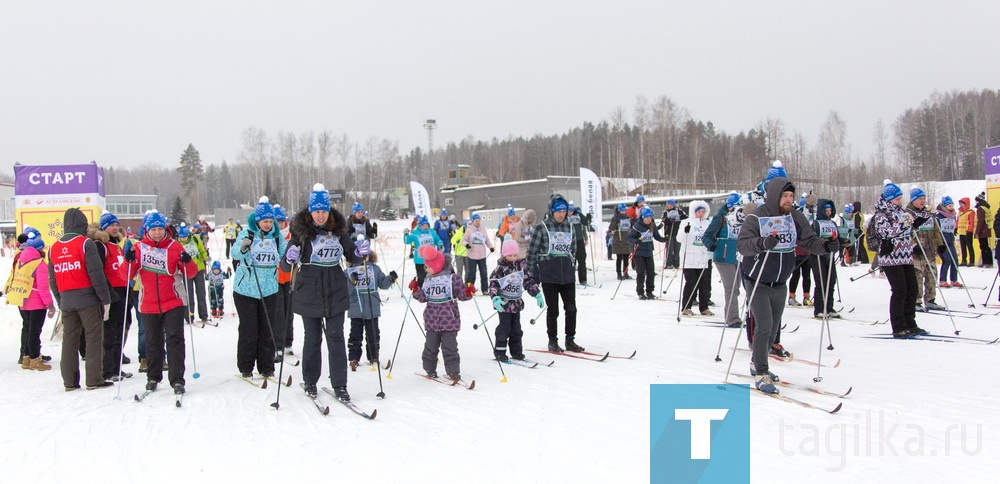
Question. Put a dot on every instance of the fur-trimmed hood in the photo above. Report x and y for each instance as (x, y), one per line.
(303, 228)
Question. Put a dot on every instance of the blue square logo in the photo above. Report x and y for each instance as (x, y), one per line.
(699, 433)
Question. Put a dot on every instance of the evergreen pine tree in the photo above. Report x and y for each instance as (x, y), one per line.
(178, 213)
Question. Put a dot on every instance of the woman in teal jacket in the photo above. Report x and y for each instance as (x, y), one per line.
(422, 235)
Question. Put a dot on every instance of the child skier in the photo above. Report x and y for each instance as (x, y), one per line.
(365, 281)
(507, 282)
(641, 235)
(216, 289)
(421, 236)
(442, 321)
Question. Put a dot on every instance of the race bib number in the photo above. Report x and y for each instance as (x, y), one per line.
(947, 225)
(326, 250)
(359, 229)
(512, 285)
(426, 239)
(827, 229)
(438, 288)
(154, 259)
(477, 238)
(624, 224)
(264, 252)
(191, 249)
(365, 279)
(734, 222)
(783, 229)
(646, 236)
(699, 234)
(574, 219)
(559, 243)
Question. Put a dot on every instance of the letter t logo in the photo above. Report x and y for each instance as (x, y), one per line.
(701, 428)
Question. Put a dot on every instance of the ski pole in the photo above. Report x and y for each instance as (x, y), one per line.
(540, 311)
(267, 319)
(991, 288)
(746, 310)
(870, 272)
(734, 292)
(663, 270)
(194, 358)
(697, 284)
(121, 347)
(965, 286)
(371, 330)
(630, 256)
(392, 361)
(943, 298)
(680, 300)
(487, 331)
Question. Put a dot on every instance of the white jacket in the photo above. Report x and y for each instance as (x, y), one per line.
(696, 255)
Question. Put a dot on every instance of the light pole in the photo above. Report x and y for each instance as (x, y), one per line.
(430, 125)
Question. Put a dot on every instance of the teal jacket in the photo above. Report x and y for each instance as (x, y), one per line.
(415, 238)
(257, 261)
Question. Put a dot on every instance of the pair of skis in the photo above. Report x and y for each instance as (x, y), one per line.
(261, 382)
(587, 355)
(325, 409)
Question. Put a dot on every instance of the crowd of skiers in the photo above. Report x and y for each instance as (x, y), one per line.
(319, 264)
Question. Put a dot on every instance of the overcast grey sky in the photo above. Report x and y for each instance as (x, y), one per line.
(129, 83)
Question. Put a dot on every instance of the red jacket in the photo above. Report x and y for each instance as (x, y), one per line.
(160, 292)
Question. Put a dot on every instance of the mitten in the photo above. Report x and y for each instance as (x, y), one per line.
(470, 290)
(414, 285)
(292, 254)
(498, 303)
(687, 229)
(885, 248)
(185, 257)
(540, 300)
(832, 246)
(363, 248)
(770, 242)
(393, 276)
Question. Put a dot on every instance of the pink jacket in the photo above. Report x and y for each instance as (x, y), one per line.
(479, 239)
(40, 297)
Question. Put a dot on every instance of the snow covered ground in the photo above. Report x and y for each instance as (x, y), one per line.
(576, 421)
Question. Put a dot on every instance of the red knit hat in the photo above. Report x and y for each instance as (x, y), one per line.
(432, 257)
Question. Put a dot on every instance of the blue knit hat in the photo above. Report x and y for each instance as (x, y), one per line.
(776, 170)
(154, 220)
(476, 216)
(848, 208)
(947, 201)
(559, 205)
(279, 213)
(264, 210)
(622, 206)
(319, 199)
(183, 231)
(646, 212)
(31, 230)
(35, 240)
(671, 202)
(891, 191)
(422, 220)
(732, 200)
(639, 198)
(216, 265)
(916, 192)
(357, 208)
(443, 213)
(510, 210)
(571, 208)
(107, 218)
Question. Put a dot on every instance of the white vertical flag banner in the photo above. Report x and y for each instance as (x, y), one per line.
(421, 202)
(590, 192)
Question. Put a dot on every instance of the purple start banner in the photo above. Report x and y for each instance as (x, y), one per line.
(991, 156)
(58, 179)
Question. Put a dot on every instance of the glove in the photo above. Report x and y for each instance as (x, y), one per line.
(885, 248)
(687, 229)
(292, 254)
(393, 276)
(413, 284)
(832, 246)
(770, 242)
(918, 221)
(130, 255)
(245, 244)
(498, 303)
(363, 248)
(470, 290)
(107, 311)
(468, 246)
(492, 249)
(540, 300)
(51, 313)
(185, 257)
(355, 278)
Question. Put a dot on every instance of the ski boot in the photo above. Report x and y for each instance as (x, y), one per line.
(178, 388)
(957, 284)
(792, 302)
(341, 394)
(126, 360)
(502, 357)
(310, 389)
(554, 346)
(687, 312)
(151, 386)
(918, 331)
(572, 346)
(806, 300)
(354, 365)
(642, 296)
(650, 296)
(455, 377)
(933, 306)
(707, 312)
(753, 372)
(833, 315)
(519, 357)
(780, 351)
(142, 365)
(765, 384)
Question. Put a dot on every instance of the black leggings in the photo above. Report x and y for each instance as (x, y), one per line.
(621, 265)
(902, 302)
(805, 269)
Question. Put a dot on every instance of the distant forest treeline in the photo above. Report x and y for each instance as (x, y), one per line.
(658, 142)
